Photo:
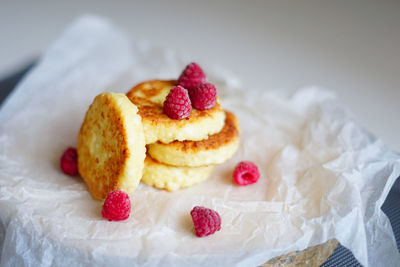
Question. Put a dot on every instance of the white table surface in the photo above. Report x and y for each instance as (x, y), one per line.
(350, 47)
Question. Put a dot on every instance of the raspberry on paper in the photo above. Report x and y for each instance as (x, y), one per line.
(203, 96)
(117, 206)
(69, 162)
(191, 76)
(246, 172)
(177, 105)
(206, 221)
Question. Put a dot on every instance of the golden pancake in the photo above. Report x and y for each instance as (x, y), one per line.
(111, 145)
(214, 150)
(171, 178)
(149, 98)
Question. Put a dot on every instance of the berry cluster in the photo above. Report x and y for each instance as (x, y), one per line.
(199, 93)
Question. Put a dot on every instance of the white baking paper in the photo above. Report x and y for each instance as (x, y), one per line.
(323, 176)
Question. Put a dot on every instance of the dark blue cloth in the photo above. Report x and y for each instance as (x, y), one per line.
(7, 84)
(391, 207)
(341, 256)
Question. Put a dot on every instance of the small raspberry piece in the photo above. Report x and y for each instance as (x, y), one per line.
(177, 104)
(191, 76)
(206, 221)
(246, 172)
(117, 206)
(69, 161)
(203, 96)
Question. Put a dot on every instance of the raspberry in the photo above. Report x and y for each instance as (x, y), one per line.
(206, 221)
(246, 172)
(69, 161)
(203, 96)
(117, 206)
(177, 104)
(191, 76)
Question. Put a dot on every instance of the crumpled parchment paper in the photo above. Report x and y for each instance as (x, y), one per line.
(322, 175)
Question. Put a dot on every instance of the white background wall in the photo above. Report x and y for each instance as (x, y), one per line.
(351, 47)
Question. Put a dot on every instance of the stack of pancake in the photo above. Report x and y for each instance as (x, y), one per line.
(115, 135)
(181, 153)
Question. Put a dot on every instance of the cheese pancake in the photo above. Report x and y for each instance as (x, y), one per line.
(172, 178)
(149, 98)
(111, 145)
(214, 150)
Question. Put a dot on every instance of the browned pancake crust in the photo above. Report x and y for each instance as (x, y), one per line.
(105, 155)
(216, 149)
(108, 182)
(229, 133)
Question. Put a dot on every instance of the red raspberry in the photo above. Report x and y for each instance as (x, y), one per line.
(69, 161)
(246, 172)
(177, 104)
(117, 206)
(206, 221)
(203, 96)
(191, 76)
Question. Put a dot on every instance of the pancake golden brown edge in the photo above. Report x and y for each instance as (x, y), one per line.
(111, 145)
(215, 150)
